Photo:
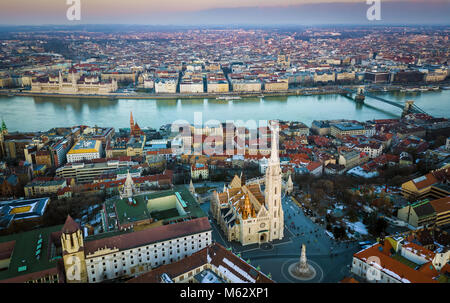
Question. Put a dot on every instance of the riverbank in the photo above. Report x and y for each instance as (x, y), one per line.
(114, 96)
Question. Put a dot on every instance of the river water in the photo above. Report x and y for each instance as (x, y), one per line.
(42, 113)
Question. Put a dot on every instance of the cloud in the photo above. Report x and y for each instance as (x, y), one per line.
(224, 12)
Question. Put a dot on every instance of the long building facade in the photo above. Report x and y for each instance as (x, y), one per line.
(85, 86)
(128, 254)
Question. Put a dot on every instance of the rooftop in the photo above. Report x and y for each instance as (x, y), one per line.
(158, 206)
(30, 252)
(231, 266)
(21, 209)
(86, 146)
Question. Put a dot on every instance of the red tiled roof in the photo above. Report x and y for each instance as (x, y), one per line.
(313, 165)
(149, 235)
(214, 254)
(391, 265)
(349, 280)
(441, 205)
(70, 226)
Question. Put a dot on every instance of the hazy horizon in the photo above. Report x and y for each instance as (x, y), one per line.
(233, 12)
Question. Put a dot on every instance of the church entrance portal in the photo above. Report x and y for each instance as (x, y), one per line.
(263, 238)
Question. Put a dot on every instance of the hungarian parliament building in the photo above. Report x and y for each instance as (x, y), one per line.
(83, 85)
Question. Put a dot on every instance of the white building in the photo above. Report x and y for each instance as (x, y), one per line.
(372, 150)
(199, 171)
(85, 150)
(398, 261)
(74, 85)
(166, 85)
(130, 254)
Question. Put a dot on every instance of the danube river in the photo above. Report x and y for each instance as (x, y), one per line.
(42, 113)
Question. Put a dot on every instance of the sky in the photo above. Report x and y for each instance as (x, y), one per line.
(197, 12)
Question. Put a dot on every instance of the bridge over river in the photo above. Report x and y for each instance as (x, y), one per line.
(360, 94)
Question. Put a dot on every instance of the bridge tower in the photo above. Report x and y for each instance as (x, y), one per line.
(408, 105)
(360, 94)
(361, 90)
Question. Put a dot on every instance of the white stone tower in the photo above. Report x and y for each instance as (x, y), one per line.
(273, 189)
(128, 187)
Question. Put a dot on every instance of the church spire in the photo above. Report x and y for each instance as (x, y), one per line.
(274, 158)
(131, 121)
(128, 187)
(289, 186)
(4, 129)
(247, 209)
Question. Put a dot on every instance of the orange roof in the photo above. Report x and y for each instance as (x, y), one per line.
(349, 280)
(419, 250)
(395, 268)
(441, 205)
(313, 165)
(428, 181)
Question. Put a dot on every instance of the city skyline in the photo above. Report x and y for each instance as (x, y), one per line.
(206, 142)
(200, 12)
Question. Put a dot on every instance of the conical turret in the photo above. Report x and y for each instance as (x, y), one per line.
(289, 185)
(4, 129)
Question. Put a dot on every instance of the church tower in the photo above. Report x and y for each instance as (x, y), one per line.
(273, 189)
(192, 188)
(131, 122)
(73, 252)
(60, 80)
(3, 132)
(128, 188)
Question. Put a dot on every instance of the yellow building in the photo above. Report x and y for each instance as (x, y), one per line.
(324, 77)
(347, 128)
(280, 85)
(43, 188)
(425, 212)
(427, 186)
(442, 208)
(218, 87)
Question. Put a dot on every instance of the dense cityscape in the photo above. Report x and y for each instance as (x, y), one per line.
(220, 62)
(336, 200)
